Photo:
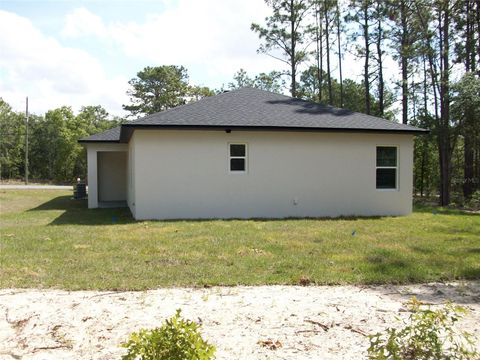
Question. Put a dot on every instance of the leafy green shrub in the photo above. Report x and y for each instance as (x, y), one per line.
(427, 334)
(176, 339)
(474, 202)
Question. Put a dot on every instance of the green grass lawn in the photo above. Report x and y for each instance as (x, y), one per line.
(49, 240)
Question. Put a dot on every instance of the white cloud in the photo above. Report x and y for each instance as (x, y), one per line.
(81, 22)
(50, 74)
(212, 38)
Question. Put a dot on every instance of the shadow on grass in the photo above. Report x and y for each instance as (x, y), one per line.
(437, 210)
(462, 292)
(76, 212)
(394, 268)
(390, 264)
(421, 250)
(472, 274)
(285, 219)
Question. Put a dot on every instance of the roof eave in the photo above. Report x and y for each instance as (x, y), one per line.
(127, 129)
(86, 141)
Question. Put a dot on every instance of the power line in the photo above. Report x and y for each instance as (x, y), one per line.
(26, 141)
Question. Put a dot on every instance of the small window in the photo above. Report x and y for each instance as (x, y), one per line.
(238, 158)
(387, 167)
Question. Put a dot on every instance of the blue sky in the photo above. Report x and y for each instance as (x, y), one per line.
(84, 52)
(78, 53)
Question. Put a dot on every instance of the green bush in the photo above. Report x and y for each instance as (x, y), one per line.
(474, 202)
(176, 339)
(427, 334)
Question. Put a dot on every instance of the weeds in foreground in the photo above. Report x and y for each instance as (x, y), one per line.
(426, 334)
(176, 339)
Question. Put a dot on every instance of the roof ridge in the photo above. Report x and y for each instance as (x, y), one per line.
(187, 104)
(265, 91)
(115, 128)
(249, 107)
(108, 130)
(359, 113)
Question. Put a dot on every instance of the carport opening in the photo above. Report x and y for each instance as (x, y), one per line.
(112, 178)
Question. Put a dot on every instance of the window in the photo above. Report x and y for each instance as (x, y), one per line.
(238, 158)
(387, 166)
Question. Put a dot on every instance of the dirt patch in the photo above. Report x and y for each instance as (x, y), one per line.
(275, 322)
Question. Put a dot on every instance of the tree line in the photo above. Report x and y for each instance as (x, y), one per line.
(54, 152)
(436, 44)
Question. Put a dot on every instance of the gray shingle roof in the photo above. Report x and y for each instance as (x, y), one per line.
(112, 135)
(258, 109)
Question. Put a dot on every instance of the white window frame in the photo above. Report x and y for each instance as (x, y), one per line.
(397, 187)
(230, 157)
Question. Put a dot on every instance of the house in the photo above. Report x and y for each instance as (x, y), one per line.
(250, 153)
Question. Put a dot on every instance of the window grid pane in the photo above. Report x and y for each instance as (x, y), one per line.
(237, 150)
(386, 167)
(386, 156)
(237, 164)
(238, 157)
(386, 178)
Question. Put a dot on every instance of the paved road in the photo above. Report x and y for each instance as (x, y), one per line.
(37, 187)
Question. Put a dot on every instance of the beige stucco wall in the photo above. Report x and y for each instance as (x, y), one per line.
(184, 174)
(131, 175)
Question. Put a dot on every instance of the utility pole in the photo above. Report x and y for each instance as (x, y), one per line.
(26, 142)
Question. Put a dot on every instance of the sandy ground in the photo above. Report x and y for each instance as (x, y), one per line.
(329, 322)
